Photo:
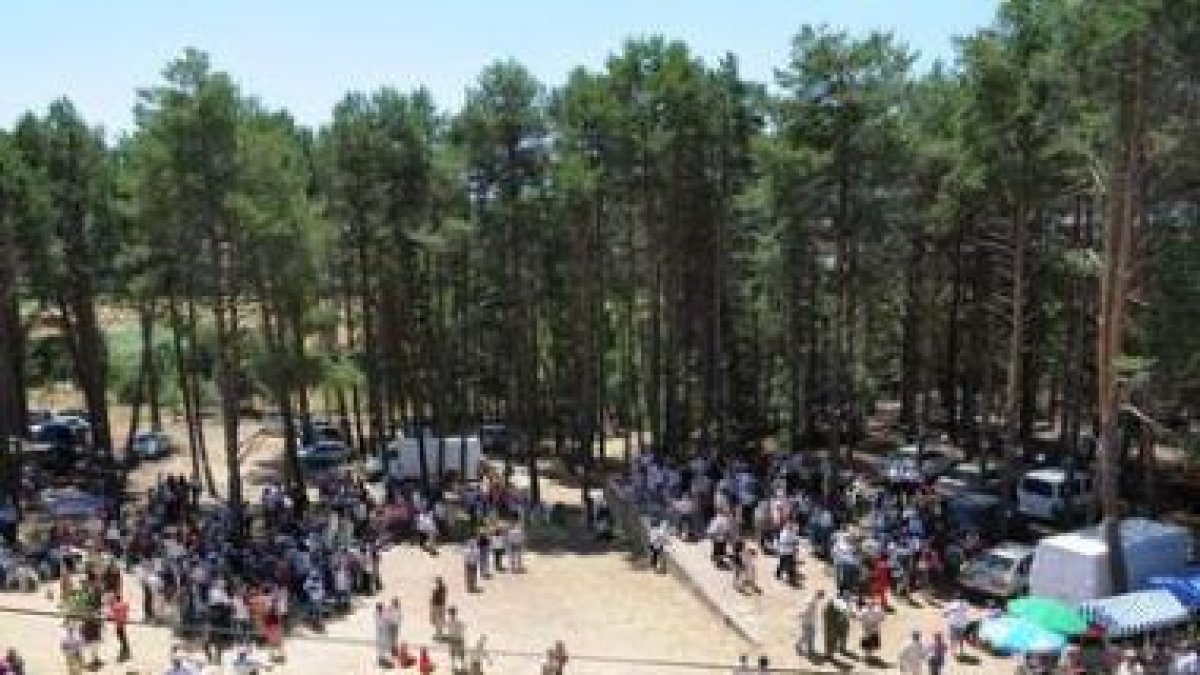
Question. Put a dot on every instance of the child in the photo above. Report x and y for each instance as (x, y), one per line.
(424, 663)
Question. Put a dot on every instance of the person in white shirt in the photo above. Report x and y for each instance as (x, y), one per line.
(427, 526)
(514, 541)
(217, 595)
(183, 664)
(343, 583)
(1186, 661)
(241, 615)
(479, 655)
(1130, 664)
(246, 663)
(660, 536)
(787, 545)
(870, 616)
(471, 564)
(314, 590)
(750, 571)
(958, 617)
(808, 625)
(719, 532)
(456, 636)
(911, 659)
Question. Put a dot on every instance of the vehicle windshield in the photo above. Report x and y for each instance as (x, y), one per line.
(992, 564)
(1037, 486)
(909, 456)
(970, 472)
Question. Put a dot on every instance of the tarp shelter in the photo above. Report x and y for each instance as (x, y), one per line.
(1073, 567)
(1070, 567)
(1136, 613)
(1151, 547)
(1184, 585)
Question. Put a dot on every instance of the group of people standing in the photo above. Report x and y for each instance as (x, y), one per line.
(878, 541)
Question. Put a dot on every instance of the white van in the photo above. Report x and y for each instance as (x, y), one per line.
(1043, 493)
(442, 456)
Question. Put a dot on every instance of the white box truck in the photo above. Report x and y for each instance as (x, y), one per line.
(442, 456)
(1074, 567)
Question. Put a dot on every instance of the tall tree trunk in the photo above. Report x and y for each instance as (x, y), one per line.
(12, 345)
(228, 329)
(352, 347)
(375, 406)
(909, 350)
(153, 395)
(951, 379)
(1016, 352)
(193, 382)
(182, 360)
(654, 394)
(1124, 212)
(145, 318)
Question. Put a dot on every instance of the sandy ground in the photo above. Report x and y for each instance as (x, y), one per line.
(614, 616)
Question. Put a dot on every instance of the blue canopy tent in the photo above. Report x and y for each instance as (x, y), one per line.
(1184, 585)
(1136, 613)
(1014, 635)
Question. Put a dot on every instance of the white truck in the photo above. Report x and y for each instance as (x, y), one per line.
(442, 456)
(1073, 567)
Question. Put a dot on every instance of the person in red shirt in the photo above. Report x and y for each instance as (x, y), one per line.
(424, 663)
(881, 580)
(118, 614)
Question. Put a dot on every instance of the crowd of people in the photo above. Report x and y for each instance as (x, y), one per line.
(235, 590)
(880, 541)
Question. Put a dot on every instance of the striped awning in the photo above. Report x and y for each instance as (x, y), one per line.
(1185, 586)
(1136, 613)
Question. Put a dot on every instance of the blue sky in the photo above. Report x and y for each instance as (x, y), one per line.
(306, 54)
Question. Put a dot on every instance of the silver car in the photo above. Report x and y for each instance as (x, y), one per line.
(966, 477)
(151, 445)
(1001, 571)
(902, 465)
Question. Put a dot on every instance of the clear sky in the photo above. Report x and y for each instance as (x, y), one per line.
(306, 54)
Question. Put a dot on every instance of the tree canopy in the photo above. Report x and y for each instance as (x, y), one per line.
(657, 245)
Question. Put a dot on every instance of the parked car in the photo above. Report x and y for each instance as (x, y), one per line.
(902, 466)
(56, 435)
(967, 477)
(1043, 493)
(323, 454)
(318, 433)
(151, 445)
(980, 514)
(76, 417)
(327, 431)
(1001, 571)
(71, 502)
(495, 439)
